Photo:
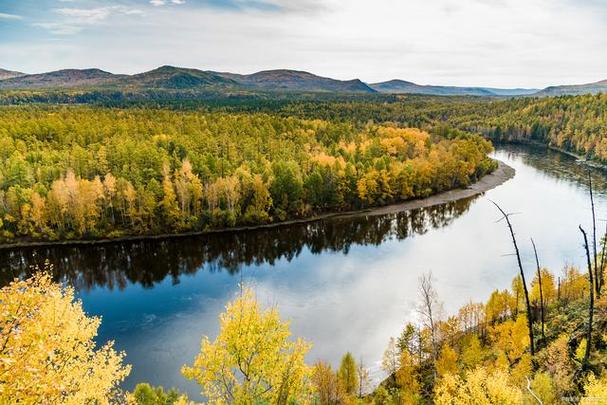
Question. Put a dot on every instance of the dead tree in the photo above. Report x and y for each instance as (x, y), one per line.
(539, 279)
(520, 266)
(591, 304)
(600, 279)
(597, 287)
(430, 309)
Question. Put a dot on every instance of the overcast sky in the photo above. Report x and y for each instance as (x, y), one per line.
(502, 43)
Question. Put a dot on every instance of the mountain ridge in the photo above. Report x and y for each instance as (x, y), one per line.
(9, 74)
(276, 80)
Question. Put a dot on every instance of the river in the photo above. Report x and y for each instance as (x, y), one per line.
(346, 284)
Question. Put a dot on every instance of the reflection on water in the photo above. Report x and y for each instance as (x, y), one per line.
(147, 263)
(346, 284)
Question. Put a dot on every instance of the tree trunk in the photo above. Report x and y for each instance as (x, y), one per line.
(591, 305)
(525, 291)
(539, 279)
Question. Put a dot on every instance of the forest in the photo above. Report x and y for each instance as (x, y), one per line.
(79, 172)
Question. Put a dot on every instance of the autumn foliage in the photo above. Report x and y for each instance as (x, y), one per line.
(47, 351)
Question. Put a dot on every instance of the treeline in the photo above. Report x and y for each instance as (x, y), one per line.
(81, 172)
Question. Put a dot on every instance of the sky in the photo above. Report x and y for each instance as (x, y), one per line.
(499, 43)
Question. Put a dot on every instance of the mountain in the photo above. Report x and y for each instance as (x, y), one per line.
(404, 87)
(281, 80)
(8, 74)
(170, 77)
(294, 80)
(173, 78)
(589, 88)
(60, 79)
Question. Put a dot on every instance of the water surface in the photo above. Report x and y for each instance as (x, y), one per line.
(346, 284)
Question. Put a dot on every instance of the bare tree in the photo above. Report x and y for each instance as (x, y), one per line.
(363, 379)
(539, 279)
(520, 266)
(591, 304)
(596, 269)
(600, 280)
(430, 309)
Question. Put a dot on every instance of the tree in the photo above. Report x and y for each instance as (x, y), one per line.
(363, 379)
(522, 274)
(145, 394)
(585, 362)
(47, 348)
(348, 374)
(478, 387)
(391, 359)
(430, 309)
(407, 379)
(447, 361)
(252, 358)
(325, 384)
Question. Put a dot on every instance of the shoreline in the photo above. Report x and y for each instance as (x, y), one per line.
(499, 176)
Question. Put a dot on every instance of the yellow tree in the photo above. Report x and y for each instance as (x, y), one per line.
(447, 361)
(478, 387)
(326, 384)
(47, 351)
(252, 360)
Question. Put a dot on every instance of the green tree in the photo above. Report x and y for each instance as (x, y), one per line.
(348, 374)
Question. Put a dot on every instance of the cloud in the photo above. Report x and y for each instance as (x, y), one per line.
(159, 3)
(58, 28)
(5, 16)
(94, 15)
(74, 20)
(499, 43)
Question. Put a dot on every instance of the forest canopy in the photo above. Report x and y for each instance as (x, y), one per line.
(76, 172)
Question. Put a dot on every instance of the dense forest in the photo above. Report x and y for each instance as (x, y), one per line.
(81, 172)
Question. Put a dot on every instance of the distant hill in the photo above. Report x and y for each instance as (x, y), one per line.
(8, 74)
(281, 80)
(589, 88)
(170, 77)
(404, 87)
(294, 80)
(59, 79)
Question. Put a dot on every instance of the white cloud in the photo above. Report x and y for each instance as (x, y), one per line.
(74, 20)
(94, 15)
(531, 43)
(159, 3)
(58, 28)
(4, 16)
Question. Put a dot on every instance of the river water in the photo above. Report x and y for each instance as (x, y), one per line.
(346, 284)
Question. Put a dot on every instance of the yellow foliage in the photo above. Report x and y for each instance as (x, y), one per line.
(48, 354)
(446, 362)
(596, 391)
(478, 387)
(511, 338)
(252, 360)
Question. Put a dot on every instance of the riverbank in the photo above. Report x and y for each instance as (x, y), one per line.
(499, 176)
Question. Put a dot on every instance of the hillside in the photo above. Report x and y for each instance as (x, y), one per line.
(405, 87)
(170, 77)
(576, 89)
(293, 80)
(8, 74)
(60, 79)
